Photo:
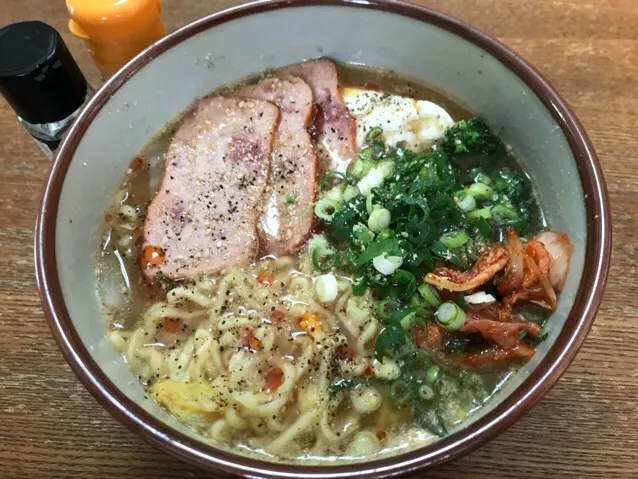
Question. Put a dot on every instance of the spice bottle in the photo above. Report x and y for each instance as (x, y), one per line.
(115, 30)
(41, 81)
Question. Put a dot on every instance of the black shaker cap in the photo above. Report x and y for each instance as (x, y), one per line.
(38, 76)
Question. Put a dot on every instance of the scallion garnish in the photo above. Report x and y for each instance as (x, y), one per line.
(450, 316)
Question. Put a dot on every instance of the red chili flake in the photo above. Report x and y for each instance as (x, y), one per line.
(265, 278)
(152, 257)
(136, 164)
(344, 352)
(172, 325)
(250, 341)
(274, 378)
(381, 435)
(419, 335)
(369, 372)
(277, 317)
(108, 217)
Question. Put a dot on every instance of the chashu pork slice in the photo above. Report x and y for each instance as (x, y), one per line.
(287, 219)
(336, 128)
(204, 216)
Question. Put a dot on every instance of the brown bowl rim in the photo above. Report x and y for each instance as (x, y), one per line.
(505, 414)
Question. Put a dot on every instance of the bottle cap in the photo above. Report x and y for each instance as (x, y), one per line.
(38, 76)
(115, 30)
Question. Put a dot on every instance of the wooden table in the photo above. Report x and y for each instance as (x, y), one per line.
(586, 427)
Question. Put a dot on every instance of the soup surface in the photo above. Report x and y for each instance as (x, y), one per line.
(326, 263)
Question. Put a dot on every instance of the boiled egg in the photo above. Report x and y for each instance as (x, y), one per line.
(417, 124)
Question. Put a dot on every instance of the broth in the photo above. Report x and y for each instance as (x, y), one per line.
(257, 336)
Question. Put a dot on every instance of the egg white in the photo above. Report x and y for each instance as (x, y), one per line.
(417, 124)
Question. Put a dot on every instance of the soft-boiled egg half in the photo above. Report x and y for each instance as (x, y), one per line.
(415, 123)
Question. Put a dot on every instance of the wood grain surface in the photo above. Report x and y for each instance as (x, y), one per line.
(586, 427)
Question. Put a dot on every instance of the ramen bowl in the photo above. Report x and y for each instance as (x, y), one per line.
(149, 92)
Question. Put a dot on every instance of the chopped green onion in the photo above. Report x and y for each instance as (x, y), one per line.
(417, 302)
(400, 392)
(330, 174)
(397, 315)
(379, 219)
(430, 295)
(385, 169)
(319, 242)
(504, 213)
(318, 253)
(408, 319)
(432, 375)
(460, 299)
(484, 228)
(378, 247)
(381, 308)
(361, 168)
(450, 316)
(386, 265)
(366, 154)
(426, 392)
(362, 234)
(326, 288)
(385, 235)
(372, 179)
(464, 201)
(454, 239)
(374, 133)
(480, 177)
(290, 199)
(484, 213)
(481, 191)
(369, 205)
(350, 192)
(326, 209)
(335, 193)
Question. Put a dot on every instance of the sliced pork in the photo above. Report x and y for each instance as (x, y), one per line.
(204, 216)
(337, 130)
(287, 219)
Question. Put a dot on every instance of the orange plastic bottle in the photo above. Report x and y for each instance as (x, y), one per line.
(115, 30)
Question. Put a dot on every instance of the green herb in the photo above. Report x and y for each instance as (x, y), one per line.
(388, 340)
(377, 248)
(325, 179)
(290, 199)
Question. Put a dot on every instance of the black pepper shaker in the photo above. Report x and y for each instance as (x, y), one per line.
(41, 81)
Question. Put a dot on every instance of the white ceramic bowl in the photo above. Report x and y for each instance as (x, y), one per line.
(163, 81)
